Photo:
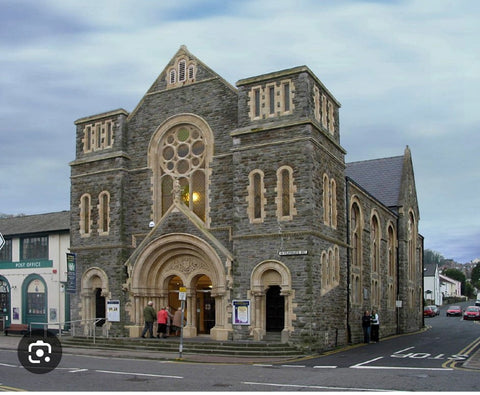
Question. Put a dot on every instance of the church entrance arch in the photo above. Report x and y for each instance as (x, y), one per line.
(94, 294)
(272, 294)
(182, 260)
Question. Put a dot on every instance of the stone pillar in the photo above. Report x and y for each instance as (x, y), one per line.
(190, 330)
(258, 329)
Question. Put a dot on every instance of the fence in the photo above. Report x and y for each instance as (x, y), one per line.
(88, 327)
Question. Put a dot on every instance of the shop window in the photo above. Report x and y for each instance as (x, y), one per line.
(6, 251)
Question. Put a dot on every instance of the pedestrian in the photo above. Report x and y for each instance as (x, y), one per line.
(177, 322)
(375, 326)
(149, 317)
(366, 322)
(169, 320)
(162, 318)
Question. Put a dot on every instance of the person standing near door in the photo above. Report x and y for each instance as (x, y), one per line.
(149, 317)
(375, 326)
(162, 319)
(366, 323)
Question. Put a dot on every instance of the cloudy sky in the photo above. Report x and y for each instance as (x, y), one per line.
(406, 73)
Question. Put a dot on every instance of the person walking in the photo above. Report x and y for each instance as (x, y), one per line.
(366, 322)
(375, 327)
(162, 318)
(149, 317)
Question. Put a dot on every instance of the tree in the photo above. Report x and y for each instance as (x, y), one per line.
(431, 256)
(475, 276)
(458, 275)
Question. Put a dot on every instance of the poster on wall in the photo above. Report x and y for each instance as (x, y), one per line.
(71, 286)
(241, 312)
(113, 310)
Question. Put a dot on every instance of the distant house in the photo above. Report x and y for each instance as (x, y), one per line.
(431, 284)
(450, 287)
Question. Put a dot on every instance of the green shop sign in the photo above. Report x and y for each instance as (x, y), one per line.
(26, 264)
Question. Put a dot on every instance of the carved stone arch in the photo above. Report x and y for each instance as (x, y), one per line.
(187, 257)
(264, 275)
(94, 285)
(159, 176)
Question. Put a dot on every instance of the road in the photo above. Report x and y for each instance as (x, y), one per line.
(427, 361)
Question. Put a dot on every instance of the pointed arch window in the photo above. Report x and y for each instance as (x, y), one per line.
(182, 156)
(375, 244)
(326, 200)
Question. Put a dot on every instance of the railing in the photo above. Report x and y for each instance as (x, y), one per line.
(88, 325)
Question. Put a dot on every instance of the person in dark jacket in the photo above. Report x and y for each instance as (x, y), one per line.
(366, 322)
(149, 316)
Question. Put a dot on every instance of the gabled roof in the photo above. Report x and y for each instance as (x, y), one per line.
(39, 223)
(430, 269)
(381, 178)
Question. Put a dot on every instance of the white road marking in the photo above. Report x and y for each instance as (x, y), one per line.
(325, 367)
(7, 364)
(313, 386)
(140, 374)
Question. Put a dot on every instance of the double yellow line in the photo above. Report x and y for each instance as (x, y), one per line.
(4, 388)
(466, 351)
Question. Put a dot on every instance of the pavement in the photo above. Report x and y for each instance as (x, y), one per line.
(10, 342)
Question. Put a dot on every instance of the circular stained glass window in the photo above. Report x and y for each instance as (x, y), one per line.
(182, 150)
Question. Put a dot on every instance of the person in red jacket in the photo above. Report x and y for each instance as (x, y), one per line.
(162, 318)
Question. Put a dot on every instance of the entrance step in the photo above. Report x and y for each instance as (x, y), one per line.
(190, 346)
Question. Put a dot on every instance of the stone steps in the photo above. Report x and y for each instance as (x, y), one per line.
(197, 346)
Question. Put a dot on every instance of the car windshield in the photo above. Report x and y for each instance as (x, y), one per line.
(472, 309)
(454, 308)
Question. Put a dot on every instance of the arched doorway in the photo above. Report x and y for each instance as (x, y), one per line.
(272, 297)
(175, 260)
(94, 294)
(275, 309)
(34, 297)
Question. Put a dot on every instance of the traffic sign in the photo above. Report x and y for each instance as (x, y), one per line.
(2, 241)
(182, 294)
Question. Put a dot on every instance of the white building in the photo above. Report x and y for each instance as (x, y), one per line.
(450, 287)
(431, 284)
(33, 269)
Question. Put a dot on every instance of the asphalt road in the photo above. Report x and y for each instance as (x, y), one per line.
(427, 361)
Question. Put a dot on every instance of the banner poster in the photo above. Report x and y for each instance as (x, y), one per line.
(113, 310)
(71, 287)
(241, 312)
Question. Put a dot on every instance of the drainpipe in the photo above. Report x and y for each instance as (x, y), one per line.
(398, 274)
(347, 204)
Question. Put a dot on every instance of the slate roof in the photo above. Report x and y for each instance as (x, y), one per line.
(429, 269)
(381, 178)
(39, 223)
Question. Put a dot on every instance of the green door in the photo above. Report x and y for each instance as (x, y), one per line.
(35, 301)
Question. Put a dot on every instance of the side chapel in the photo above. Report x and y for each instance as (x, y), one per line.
(242, 194)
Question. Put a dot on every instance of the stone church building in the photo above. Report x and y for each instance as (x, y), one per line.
(241, 194)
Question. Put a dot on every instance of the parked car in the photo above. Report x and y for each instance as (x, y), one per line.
(472, 313)
(428, 311)
(435, 309)
(454, 311)
(477, 303)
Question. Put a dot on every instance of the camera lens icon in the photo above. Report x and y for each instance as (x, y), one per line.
(39, 351)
